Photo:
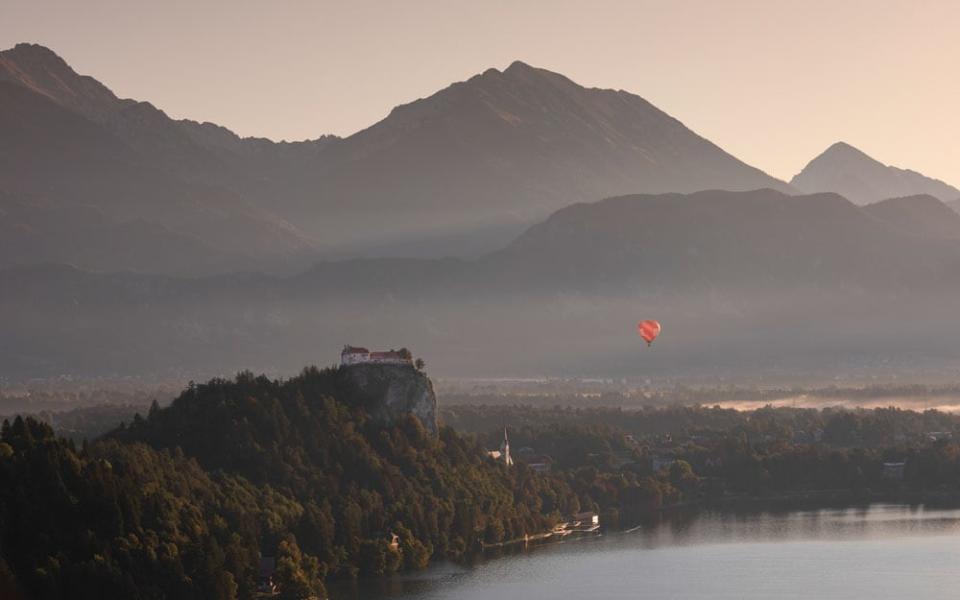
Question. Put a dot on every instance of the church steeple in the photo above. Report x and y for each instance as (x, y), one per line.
(505, 449)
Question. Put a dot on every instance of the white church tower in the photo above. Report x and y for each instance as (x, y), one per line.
(505, 450)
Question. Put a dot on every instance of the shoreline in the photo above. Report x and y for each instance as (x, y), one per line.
(676, 519)
(749, 504)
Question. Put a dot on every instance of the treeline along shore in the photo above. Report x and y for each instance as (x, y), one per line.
(251, 486)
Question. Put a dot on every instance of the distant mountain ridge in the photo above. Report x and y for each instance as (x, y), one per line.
(760, 274)
(753, 240)
(461, 171)
(843, 169)
(505, 148)
(64, 179)
(139, 124)
(921, 215)
(202, 150)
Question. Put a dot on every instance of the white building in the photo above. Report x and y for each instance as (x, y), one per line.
(351, 355)
(585, 519)
(355, 355)
(503, 454)
(505, 457)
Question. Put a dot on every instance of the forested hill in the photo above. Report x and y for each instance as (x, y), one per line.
(182, 503)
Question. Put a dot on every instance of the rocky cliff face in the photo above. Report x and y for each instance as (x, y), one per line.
(392, 391)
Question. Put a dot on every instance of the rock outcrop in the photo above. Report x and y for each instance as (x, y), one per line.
(390, 392)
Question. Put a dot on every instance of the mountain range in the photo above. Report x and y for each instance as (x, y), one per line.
(500, 151)
(744, 240)
(73, 192)
(460, 172)
(107, 183)
(753, 279)
(131, 242)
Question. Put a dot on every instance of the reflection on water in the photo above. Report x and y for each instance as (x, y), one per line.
(876, 552)
(860, 523)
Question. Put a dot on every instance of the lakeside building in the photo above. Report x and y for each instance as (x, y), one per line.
(357, 355)
(578, 523)
(585, 519)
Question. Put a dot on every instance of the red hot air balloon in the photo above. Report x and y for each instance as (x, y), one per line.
(649, 330)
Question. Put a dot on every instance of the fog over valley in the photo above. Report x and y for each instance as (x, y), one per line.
(476, 225)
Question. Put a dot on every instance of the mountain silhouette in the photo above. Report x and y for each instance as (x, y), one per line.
(749, 240)
(920, 215)
(737, 278)
(191, 150)
(503, 149)
(861, 179)
(71, 179)
(460, 172)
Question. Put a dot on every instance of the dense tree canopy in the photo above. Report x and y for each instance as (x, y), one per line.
(182, 503)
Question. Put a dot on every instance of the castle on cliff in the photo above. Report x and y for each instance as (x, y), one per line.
(354, 355)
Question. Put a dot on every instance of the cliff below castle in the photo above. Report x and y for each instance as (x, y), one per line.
(390, 392)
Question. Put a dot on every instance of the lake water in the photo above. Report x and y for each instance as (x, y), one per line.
(876, 553)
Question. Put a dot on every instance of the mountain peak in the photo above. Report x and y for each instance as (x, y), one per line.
(844, 156)
(520, 71)
(25, 61)
(523, 74)
(519, 66)
(519, 143)
(42, 70)
(847, 150)
(841, 146)
(849, 171)
(24, 49)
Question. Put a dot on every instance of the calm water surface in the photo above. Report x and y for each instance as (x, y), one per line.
(876, 553)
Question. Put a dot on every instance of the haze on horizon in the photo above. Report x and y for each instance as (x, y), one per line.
(773, 83)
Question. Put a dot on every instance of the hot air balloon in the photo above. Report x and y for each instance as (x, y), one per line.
(649, 330)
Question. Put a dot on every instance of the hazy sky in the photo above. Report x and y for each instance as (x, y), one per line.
(772, 82)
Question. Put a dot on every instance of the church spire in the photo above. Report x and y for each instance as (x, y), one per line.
(505, 449)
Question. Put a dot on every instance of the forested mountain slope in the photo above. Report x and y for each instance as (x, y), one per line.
(181, 504)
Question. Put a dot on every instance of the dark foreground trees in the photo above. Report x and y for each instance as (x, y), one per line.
(183, 503)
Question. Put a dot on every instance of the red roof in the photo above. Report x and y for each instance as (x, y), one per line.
(389, 354)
